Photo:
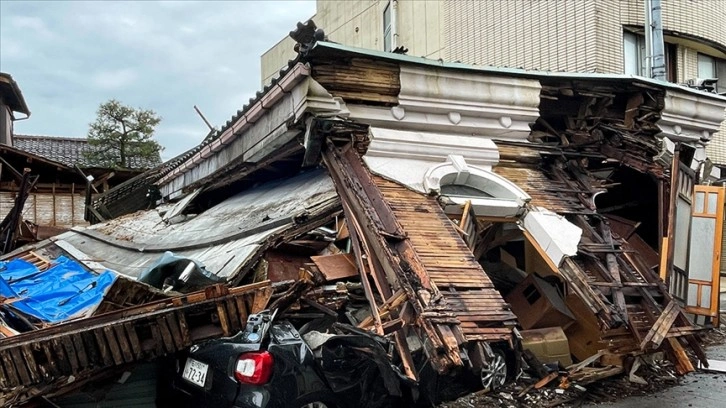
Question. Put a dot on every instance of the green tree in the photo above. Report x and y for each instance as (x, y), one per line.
(122, 133)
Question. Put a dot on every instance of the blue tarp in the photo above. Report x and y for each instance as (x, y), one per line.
(64, 290)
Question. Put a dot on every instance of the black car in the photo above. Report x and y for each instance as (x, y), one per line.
(271, 365)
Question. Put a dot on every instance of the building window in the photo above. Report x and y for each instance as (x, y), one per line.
(634, 54)
(712, 67)
(387, 35)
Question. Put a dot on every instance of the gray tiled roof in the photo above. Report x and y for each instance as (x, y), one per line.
(69, 150)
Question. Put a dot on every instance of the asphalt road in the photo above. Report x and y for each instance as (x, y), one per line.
(697, 390)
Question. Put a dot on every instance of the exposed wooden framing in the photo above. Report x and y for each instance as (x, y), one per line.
(382, 232)
(103, 180)
(620, 131)
(354, 237)
(612, 265)
(384, 310)
(661, 327)
(393, 302)
(40, 362)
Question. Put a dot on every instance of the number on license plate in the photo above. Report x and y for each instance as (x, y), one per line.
(195, 372)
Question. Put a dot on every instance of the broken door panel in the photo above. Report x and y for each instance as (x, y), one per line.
(679, 278)
(705, 251)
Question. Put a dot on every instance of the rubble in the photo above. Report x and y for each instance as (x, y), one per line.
(60, 358)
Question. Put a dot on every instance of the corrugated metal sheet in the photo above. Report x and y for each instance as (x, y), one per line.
(224, 238)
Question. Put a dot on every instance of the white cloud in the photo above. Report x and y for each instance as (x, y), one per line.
(30, 26)
(114, 79)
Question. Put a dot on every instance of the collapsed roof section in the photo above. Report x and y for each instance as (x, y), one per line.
(227, 238)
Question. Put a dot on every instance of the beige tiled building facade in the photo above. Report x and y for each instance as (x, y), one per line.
(603, 36)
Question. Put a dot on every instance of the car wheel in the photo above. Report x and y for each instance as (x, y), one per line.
(316, 401)
(494, 373)
(315, 404)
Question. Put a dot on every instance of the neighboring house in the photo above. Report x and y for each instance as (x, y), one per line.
(604, 36)
(72, 151)
(11, 102)
(58, 198)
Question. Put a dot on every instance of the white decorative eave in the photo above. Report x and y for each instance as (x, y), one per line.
(457, 102)
(431, 146)
(691, 116)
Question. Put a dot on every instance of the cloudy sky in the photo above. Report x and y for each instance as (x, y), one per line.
(68, 57)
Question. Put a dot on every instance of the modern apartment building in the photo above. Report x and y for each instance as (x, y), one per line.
(603, 36)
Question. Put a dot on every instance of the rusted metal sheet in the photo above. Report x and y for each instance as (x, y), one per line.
(41, 362)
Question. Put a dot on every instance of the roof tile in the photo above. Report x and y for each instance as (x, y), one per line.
(70, 150)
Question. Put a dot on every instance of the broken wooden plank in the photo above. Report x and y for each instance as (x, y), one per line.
(683, 363)
(391, 304)
(83, 348)
(357, 250)
(338, 266)
(546, 380)
(661, 327)
(612, 265)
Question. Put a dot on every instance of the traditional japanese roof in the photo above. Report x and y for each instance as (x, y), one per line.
(70, 151)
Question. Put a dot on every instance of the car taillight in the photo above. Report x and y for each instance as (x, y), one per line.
(254, 368)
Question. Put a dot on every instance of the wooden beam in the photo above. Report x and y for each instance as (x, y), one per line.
(666, 268)
(612, 265)
(661, 327)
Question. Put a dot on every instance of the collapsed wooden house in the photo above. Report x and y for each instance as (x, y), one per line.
(444, 190)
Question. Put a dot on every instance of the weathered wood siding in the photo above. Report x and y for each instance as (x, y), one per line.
(48, 209)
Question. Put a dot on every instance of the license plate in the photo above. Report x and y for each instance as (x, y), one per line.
(195, 372)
